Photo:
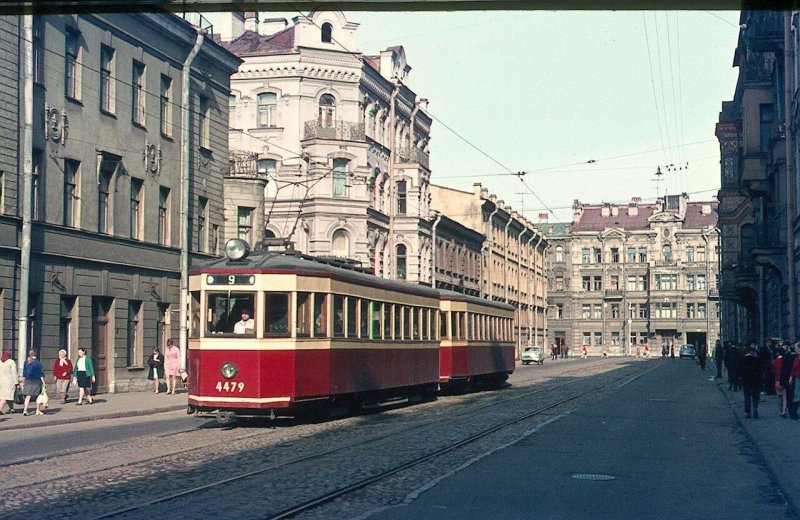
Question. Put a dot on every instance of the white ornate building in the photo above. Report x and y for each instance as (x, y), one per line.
(339, 137)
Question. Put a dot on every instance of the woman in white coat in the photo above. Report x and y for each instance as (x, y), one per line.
(8, 381)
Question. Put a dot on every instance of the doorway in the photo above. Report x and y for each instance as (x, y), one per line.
(101, 312)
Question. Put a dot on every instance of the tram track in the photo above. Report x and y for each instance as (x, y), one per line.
(345, 490)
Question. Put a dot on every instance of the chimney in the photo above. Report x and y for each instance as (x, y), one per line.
(493, 198)
(251, 21)
(577, 210)
(605, 211)
(484, 193)
(476, 189)
(614, 211)
(501, 204)
(543, 217)
(705, 209)
(271, 26)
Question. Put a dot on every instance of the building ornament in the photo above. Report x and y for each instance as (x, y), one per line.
(151, 157)
(56, 124)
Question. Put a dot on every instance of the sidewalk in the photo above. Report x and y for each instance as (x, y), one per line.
(774, 438)
(105, 406)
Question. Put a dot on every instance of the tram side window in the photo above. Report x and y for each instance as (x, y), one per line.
(276, 322)
(408, 313)
(424, 317)
(375, 320)
(444, 319)
(365, 317)
(303, 315)
(320, 315)
(227, 309)
(194, 323)
(398, 320)
(338, 316)
(352, 305)
(387, 321)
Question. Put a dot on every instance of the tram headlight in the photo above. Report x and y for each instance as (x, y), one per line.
(228, 370)
(236, 249)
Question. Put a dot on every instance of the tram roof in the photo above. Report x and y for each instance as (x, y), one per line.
(277, 262)
(446, 294)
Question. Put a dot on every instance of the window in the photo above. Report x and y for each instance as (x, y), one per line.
(559, 311)
(163, 216)
(225, 310)
(597, 283)
(559, 254)
(387, 321)
(690, 282)
(642, 255)
(598, 339)
(72, 64)
(338, 316)
(586, 311)
(587, 339)
(701, 310)
(66, 324)
(104, 210)
(643, 311)
(134, 346)
(401, 262)
(631, 255)
(267, 107)
(614, 255)
(194, 314)
(244, 223)
(559, 283)
(665, 310)
(38, 49)
(267, 168)
(138, 94)
(107, 87)
(352, 316)
(71, 183)
(340, 243)
(320, 315)
(137, 216)
(162, 325)
(598, 311)
(631, 284)
(615, 283)
(690, 310)
(276, 314)
(667, 253)
(165, 113)
(35, 178)
(205, 123)
(643, 283)
(327, 111)
(632, 310)
(401, 198)
(202, 224)
(615, 339)
(615, 311)
(585, 256)
(700, 256)
(586, 283)
(327, 32)
(689, 254)
(214, 239)
(340, 176)
(666, 282)
(701, 282)
(597, 254)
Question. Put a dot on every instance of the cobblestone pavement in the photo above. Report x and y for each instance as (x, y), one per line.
(297, 461)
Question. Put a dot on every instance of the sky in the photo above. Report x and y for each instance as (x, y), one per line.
(589, 104)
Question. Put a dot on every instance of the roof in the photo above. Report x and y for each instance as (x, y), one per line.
(592, 218)
(250, 43)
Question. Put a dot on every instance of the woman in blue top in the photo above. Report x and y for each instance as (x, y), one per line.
(34, 379)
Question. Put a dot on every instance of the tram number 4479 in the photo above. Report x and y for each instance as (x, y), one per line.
(229, 386)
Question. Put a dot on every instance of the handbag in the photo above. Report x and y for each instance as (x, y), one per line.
(19, 397)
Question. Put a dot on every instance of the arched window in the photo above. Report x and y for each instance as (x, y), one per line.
(327, 111)
(268, 234)
(667, 251)
(559, 254)
(267, 105)
(401, 262)
(340, 243)
(327, 32)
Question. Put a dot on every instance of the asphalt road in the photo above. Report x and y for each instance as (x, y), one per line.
(665, 445)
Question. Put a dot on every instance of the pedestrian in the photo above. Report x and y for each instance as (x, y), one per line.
(8, 382)
(730, 363)
(62, 372)
(719, 357)
(172, 366)
(638, 351)
(83, 376)
(646, 350)
(766, 359)
(156, 364)
(583, 352)
(702, 354)
(672, 350)
(33, 382)
(783, 368)
(663, 349)
(553, 352)
(751, 374)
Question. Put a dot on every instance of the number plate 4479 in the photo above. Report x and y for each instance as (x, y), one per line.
(230, 386)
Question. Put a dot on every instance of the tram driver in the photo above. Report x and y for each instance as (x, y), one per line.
(244, 324)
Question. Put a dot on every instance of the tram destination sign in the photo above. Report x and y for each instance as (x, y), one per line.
(231, 279)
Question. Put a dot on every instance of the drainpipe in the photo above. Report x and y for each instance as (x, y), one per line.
(391, 268)
(186, 80)
(490, 236)
(505, 258)
(532, 293)
(519, 289)
(788, 57)
(535, 320)
(433, 252)
(27, 190)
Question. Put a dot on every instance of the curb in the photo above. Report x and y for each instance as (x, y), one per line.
(93, 417)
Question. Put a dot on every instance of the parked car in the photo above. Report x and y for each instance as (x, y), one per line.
(533, 355)
(688, 351)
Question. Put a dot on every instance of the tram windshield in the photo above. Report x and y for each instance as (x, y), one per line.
(231, 313)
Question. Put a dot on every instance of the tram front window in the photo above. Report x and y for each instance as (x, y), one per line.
(230, 313)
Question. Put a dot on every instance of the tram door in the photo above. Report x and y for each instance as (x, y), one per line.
(101, 310)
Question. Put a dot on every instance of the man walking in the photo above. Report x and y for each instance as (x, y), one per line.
(751, 374)
(719, 357)
(702, 355)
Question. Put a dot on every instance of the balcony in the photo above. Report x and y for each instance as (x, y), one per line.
(713, 293)
(613, 294)
(666, 263)
(414, 155)
(339, 131)
(244, 164)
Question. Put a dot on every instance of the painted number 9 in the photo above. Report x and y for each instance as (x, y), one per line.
(231, 279)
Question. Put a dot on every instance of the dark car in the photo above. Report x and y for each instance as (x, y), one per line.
(688, 351)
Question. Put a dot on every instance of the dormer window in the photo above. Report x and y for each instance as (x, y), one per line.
(327, 32)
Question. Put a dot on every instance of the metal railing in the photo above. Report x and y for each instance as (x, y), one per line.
(243, 164)
(339, 131)
(416, 155)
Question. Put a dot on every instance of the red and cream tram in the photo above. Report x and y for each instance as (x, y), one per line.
(278, 333)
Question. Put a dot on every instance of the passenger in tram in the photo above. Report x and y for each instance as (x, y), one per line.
(246, 325)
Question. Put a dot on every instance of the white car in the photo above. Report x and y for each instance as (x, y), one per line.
(532, 355)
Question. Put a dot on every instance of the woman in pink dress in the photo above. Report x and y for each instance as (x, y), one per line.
(172, 366)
